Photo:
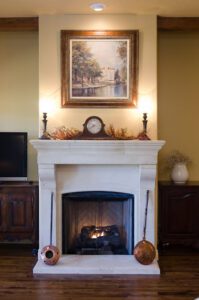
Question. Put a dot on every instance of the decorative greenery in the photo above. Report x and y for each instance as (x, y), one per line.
(119, 134)
(64, 133)
(176, 157)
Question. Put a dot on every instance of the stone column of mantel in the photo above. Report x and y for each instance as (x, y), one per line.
(147, 182)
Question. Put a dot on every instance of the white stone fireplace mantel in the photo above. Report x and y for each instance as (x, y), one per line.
(95, 165)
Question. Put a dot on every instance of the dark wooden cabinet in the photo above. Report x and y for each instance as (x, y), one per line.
(178, 217)
(19, 213)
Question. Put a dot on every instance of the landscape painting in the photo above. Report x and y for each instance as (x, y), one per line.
(99, 70)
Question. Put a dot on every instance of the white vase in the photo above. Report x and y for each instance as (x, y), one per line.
(180, 173)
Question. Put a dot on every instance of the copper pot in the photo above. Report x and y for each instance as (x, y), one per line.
(50, 255)
(145, 251)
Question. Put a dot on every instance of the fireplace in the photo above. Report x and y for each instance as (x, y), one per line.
(123, 167)
(97, 222)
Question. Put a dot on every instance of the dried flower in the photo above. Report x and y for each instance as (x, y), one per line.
(64, 133)
(176, 157)
(119, 134)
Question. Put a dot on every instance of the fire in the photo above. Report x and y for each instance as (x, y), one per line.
(97, 234)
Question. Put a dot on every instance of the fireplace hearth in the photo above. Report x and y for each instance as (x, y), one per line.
(72, 166)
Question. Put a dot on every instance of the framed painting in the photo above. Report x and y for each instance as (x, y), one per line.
(99, 68)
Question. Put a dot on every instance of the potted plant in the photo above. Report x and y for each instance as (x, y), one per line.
(177, 162)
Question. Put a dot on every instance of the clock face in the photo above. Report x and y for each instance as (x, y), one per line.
(94, 125)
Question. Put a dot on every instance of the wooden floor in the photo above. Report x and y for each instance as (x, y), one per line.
(179, 280)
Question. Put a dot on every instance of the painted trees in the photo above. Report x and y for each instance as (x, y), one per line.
(85, 68)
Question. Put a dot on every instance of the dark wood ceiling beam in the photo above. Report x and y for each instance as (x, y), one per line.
(163, 23)
(178, 23)
(19, 24)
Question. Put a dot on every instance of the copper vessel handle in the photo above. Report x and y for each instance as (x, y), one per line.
(146, 211)
(51, 218)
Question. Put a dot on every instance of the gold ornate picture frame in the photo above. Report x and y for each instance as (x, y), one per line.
(99, 68)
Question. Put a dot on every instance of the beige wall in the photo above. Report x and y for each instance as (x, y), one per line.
(19, 76)
(49, 68)
(178, 97)
(19, 87)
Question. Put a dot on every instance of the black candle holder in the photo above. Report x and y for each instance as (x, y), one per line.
(143, 135)
(45, 135)
(145, 121)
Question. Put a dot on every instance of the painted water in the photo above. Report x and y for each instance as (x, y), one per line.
(107, 91)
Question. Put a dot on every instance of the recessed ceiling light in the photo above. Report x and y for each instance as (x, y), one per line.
(97, 6)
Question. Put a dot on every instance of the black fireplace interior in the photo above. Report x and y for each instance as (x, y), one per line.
(97, 222)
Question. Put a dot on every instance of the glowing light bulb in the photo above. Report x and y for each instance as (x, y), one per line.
(145, 104)
(97, 6)
(47, 105)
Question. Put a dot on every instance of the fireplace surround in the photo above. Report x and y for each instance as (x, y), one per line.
(96, 165)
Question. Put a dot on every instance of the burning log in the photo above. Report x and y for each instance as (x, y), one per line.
(100, 240)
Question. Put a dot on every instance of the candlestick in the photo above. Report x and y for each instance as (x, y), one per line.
(45, 135)
(143, 135)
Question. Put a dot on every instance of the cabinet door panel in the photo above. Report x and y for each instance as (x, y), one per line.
(19, 212)
(180, 210)
(178, 217)
(20, 216)
(2, 212)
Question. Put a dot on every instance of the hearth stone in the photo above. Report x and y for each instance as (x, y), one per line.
(97, 264)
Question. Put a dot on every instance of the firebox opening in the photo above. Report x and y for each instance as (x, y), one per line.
(97, 222)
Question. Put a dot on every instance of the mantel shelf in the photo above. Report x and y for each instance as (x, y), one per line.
(97, 151)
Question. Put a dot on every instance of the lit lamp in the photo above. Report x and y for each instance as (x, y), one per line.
(144, 106)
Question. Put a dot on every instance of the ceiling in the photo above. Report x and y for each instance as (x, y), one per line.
(166, 8)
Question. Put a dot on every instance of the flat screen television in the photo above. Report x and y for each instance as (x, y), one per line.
(13, 156)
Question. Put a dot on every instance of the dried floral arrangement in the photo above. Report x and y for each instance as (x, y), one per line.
(176, 157)
(63, 133)
(119, 134)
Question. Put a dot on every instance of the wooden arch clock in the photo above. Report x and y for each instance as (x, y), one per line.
(93, 128)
